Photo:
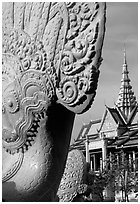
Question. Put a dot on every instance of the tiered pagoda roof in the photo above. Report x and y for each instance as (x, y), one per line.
(126, 100)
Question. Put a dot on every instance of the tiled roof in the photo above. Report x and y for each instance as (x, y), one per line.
(127, 139)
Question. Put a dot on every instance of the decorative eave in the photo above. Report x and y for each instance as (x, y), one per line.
(132, 114)
(103, 119)
(117, 115)
(86, 128)
(80, 135)
(121, 114)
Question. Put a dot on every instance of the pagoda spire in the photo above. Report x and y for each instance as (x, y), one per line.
(126, 100)
(124, 52)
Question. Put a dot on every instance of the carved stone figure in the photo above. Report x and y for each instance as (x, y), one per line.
(50, 61)
(73, 183)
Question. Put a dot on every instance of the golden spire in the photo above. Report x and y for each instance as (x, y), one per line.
(126, 100)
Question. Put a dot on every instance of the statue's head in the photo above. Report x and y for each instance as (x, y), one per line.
(49, 60)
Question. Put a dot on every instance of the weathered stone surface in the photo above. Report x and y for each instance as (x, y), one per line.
(51, 56)
(73, 182)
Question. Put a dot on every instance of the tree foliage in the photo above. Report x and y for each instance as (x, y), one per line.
(119, 173)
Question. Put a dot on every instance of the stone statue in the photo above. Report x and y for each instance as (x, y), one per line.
(50, 68)
(73, 183)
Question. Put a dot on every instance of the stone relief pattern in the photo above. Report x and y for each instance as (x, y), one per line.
(72, 182)
(63, 57)
(49, 55)
(26, 96)
(80, 59)
(29, 81)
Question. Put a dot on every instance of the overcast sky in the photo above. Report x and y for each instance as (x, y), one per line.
(121, 27)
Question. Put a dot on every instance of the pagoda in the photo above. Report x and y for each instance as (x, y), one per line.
(116, 131)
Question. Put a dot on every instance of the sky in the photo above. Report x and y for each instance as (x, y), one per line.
(121, 28)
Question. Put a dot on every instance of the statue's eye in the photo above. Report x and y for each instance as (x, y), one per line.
(11, 101)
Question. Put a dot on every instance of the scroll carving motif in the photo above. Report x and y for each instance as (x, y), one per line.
(25, 95)
(80, 59)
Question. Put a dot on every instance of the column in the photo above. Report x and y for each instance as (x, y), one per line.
(87, 150)
(134, 160)
(94, 167)
(117, 159)
(101, 164)
(104, 153)
(122, 157)
(91, 164)
(130, 161)
(110, 159)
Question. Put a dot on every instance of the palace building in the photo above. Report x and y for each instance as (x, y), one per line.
(115, 132)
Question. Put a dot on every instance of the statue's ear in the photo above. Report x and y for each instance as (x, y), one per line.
(81, 56)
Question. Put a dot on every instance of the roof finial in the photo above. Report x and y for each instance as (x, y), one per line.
(125, 54)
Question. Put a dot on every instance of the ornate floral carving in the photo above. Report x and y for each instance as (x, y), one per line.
(24, 94)
(73, 180)
(29, 81)
(81, 57)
